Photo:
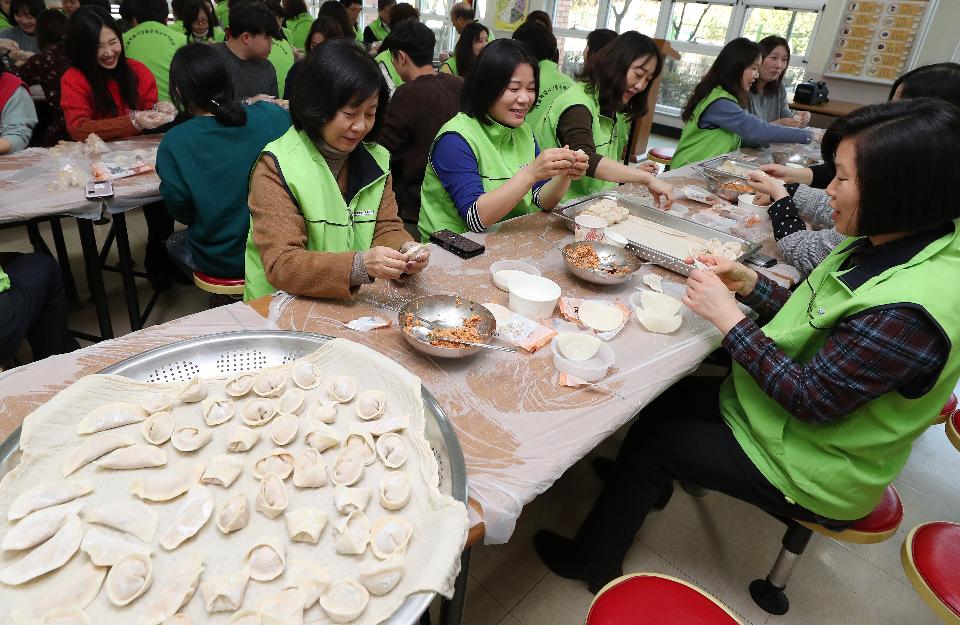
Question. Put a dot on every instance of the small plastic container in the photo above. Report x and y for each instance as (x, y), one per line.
(533, 297)
(613, 238)
(713, 221)
(745, 202)
(588, 370)
(514, 265)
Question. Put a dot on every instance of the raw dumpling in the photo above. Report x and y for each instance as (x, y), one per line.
(600, 316)
(347, 467)
(379, 427)
(224, 593)
(38, 526)
(310, 471)
(655, 322)
(128, 579)
(75, 586)
(306, 375)
(266, 560)
(194, 391)
(341, 388)
(659, 303)
(47, 495)
(578, 346)
(353, 533)
(193, 513)
(64, 616)
(654, 281)
(107, 548)
(217, 411)
(283, 430)
(270, 384)
(91, 449)
(240, 385)
(291, 402)
(189, 438)
(362, 441)
(258, 411)
(392, 450)
(382, 577)
(321, 436)
(234, 515)
(109, 416)
(49, 556)
(241, 438)
(371, 404)
(223, 470)
(282, 608)
(157, 428)
(323, 411)
(390, 536)
(394, 491)
(312, 580)
(271, 496)
(171, 594)
(245, 617)
(157, 402)
(345, 601)
(278, 462)
(133, 517)
(348, 499)
(304, 525)
(137, 456)
(166, 486)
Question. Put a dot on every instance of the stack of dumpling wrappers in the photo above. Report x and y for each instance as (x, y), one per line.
(304, 493)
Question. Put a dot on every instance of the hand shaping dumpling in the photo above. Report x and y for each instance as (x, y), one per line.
(128, 579)
(133, 517)
(353, 533)
(304, 525)
(345, 601)
(49, 556)
(91, 449)
(45, 496)
(137, 456)
(193, 513)
(109, 416)
(310, 471)
(392, 450)
(271, 496)
(224, 593)
(390, 536)
(166, 486)
(266, 559)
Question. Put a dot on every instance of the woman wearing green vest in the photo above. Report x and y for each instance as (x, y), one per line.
(716, 115)
(473, 38)
(297, 21)
(323, 218)
(379, 28)
(200, 22)
(398, 13)
(826, 398)
(594, 115)
(485, 166)
(553, 82)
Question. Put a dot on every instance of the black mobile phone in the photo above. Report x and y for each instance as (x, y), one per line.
(456, 244)
(760, 260)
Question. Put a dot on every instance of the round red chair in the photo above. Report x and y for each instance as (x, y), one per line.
(654, 599)
(878, 526)
(931, 560)
(953, 429)
(949, 409)
(222, 290)
(664, 156)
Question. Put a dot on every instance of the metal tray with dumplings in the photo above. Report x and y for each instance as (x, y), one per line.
(232, 352)
(570, 210)
(736, 168)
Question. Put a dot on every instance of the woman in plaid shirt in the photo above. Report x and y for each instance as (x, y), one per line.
(831, 388)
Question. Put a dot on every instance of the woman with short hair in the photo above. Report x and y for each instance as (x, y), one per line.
(323, 215)
(23, 31)
(200, 22)
(485, 165)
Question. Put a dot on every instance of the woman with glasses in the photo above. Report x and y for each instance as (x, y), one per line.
(830, 389)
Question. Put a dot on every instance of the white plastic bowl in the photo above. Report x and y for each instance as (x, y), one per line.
(745, 201)
(515, 265)
(588, 370)
(533, 297)
(613, 238)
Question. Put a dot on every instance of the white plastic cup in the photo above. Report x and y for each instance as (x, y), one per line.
(533, 297)
(589, 228)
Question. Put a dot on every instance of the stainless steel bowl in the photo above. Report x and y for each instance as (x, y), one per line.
(789, 158)
(610, 256)
(715, 186)
(446, 311)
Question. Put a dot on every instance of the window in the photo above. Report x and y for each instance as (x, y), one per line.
(794, 26)
(698, 22)
(638, 15)
(576, 15)
(571, 54)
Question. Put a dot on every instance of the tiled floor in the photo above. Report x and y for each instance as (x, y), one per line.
(716, 542)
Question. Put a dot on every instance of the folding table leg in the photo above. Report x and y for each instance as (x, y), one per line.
(451, 610)
(91, 261)
(126, 271)
(58, 242)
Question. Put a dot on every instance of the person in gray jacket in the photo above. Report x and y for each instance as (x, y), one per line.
(768, 96)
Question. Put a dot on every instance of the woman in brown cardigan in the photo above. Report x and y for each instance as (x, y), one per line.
(323, 214)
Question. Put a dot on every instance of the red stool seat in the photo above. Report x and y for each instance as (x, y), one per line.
(662, 153)
(876, 527)
(931, 560)
(953, 429)
(218, 286)
(948, 409)
(217, 281)
(653, 599)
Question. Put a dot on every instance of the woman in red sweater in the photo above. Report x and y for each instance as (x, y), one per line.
(104, 92)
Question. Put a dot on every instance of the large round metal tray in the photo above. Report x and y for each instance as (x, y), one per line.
(222, 354)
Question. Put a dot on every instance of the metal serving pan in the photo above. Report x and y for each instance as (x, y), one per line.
(569, 211)
(714, 165)
(232, 352)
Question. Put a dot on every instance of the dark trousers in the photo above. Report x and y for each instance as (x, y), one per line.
(35, 308)
(159, 223)
(679, 436)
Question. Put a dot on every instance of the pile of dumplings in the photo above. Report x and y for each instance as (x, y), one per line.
(244, 449)
(608, 210)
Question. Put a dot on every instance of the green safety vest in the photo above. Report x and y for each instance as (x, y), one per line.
(451, 64)
(501, 152)
(840, 470)
(553, 83)
(358, 34)
(385, 60)
(298, 29)
(332, 224)
(698, 144)
(223, 13)
(4, 281)
(4, 23)
(178, 26)
(281, 55)
(610, 135)
(380, 29)
(154, 45)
